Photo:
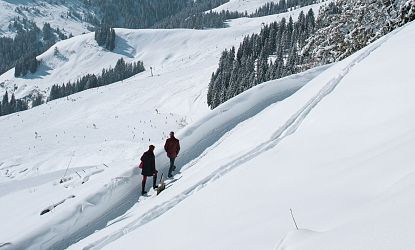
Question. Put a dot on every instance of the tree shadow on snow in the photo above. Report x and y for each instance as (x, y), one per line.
(41, 72)
(122, 47)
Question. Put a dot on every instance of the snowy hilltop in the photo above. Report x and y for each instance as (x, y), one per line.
(294, 119)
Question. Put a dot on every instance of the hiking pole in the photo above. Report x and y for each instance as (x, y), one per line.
(293, 218)
(73, 153)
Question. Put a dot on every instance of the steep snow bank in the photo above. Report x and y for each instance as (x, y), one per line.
(338, 151)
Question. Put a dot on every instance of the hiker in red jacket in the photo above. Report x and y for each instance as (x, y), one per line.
(148, 165)
(172, 147)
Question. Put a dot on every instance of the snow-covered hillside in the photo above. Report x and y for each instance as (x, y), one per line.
(334, 144)
(243, 5)
(248, 6)
(173, 54)
(338, 152)
(53, 12)
(100, 133)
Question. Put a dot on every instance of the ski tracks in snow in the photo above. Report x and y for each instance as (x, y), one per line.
(288, 128)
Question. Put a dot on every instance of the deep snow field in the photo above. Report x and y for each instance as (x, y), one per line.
(334, 144)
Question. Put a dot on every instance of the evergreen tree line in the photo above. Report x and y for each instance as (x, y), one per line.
(11, 106)
(105, 37)
(28, 42)
(271, 54)
(282, 6)
(200, 20)
(176, 13)
(338, 35)
(136, 14)
(195, 17)
(283, 48)
(121, 71)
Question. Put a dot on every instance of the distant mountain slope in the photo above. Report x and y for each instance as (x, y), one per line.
(81, 55)
(60, 14)
(243, 5)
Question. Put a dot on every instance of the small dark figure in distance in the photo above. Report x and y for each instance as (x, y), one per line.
(148, 165)
(172, 147)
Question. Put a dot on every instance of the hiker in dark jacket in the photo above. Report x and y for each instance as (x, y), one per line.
(172, 147)
(148, 168)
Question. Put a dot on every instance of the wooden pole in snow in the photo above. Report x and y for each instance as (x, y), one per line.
(73, 153)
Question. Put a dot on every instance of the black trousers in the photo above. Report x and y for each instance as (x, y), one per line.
(171, 168)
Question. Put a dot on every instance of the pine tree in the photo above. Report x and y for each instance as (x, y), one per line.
(120, 69)
(33, 64)
(18, 70)
(233, 82)
(291, 61)
(48, 33)
(111, 45)
(5, 104)
(37, 100)
(12, 104)
(310, 21)
(211, 90)
(21, 105)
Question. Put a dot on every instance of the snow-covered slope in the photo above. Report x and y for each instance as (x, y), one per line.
(248, 6)
(99, 134)
(173, 54)
(338, 152)
(243, 5)
(39, 11)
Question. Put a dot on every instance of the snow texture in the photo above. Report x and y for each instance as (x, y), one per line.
(334, 144)
(40, 11)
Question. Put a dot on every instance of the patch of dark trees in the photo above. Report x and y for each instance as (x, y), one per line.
(12, 105)
(29, 41)
(271, 54)
(105, 37)
(121, 71)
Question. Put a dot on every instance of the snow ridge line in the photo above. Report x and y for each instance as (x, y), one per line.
(290, 126)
